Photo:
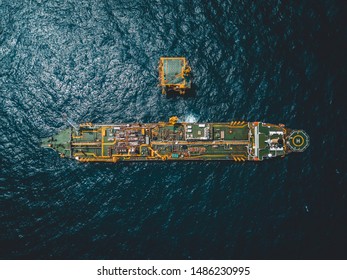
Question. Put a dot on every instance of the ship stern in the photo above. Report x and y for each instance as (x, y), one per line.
(61, 142)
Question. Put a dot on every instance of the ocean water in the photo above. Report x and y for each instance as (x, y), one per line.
(274, 61)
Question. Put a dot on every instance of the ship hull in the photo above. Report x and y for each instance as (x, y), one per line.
(237, 141)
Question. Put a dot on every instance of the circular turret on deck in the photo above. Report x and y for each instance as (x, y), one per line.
(298, 141)
(174, 74)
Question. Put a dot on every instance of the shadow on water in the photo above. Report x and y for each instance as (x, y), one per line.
(191, 93)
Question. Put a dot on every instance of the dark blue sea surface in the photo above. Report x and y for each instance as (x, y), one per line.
(96, 61)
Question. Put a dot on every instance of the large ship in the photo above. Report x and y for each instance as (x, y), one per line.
(177, 141)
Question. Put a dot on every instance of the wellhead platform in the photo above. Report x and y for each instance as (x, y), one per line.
(174, 75)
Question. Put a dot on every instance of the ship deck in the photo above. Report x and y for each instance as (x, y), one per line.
(219, 141)
(171, 141)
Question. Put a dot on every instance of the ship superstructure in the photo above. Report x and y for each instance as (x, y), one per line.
(173, 140)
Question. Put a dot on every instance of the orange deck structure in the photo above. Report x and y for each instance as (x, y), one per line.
(174, 74)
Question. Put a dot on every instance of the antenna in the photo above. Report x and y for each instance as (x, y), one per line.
(70, 122)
